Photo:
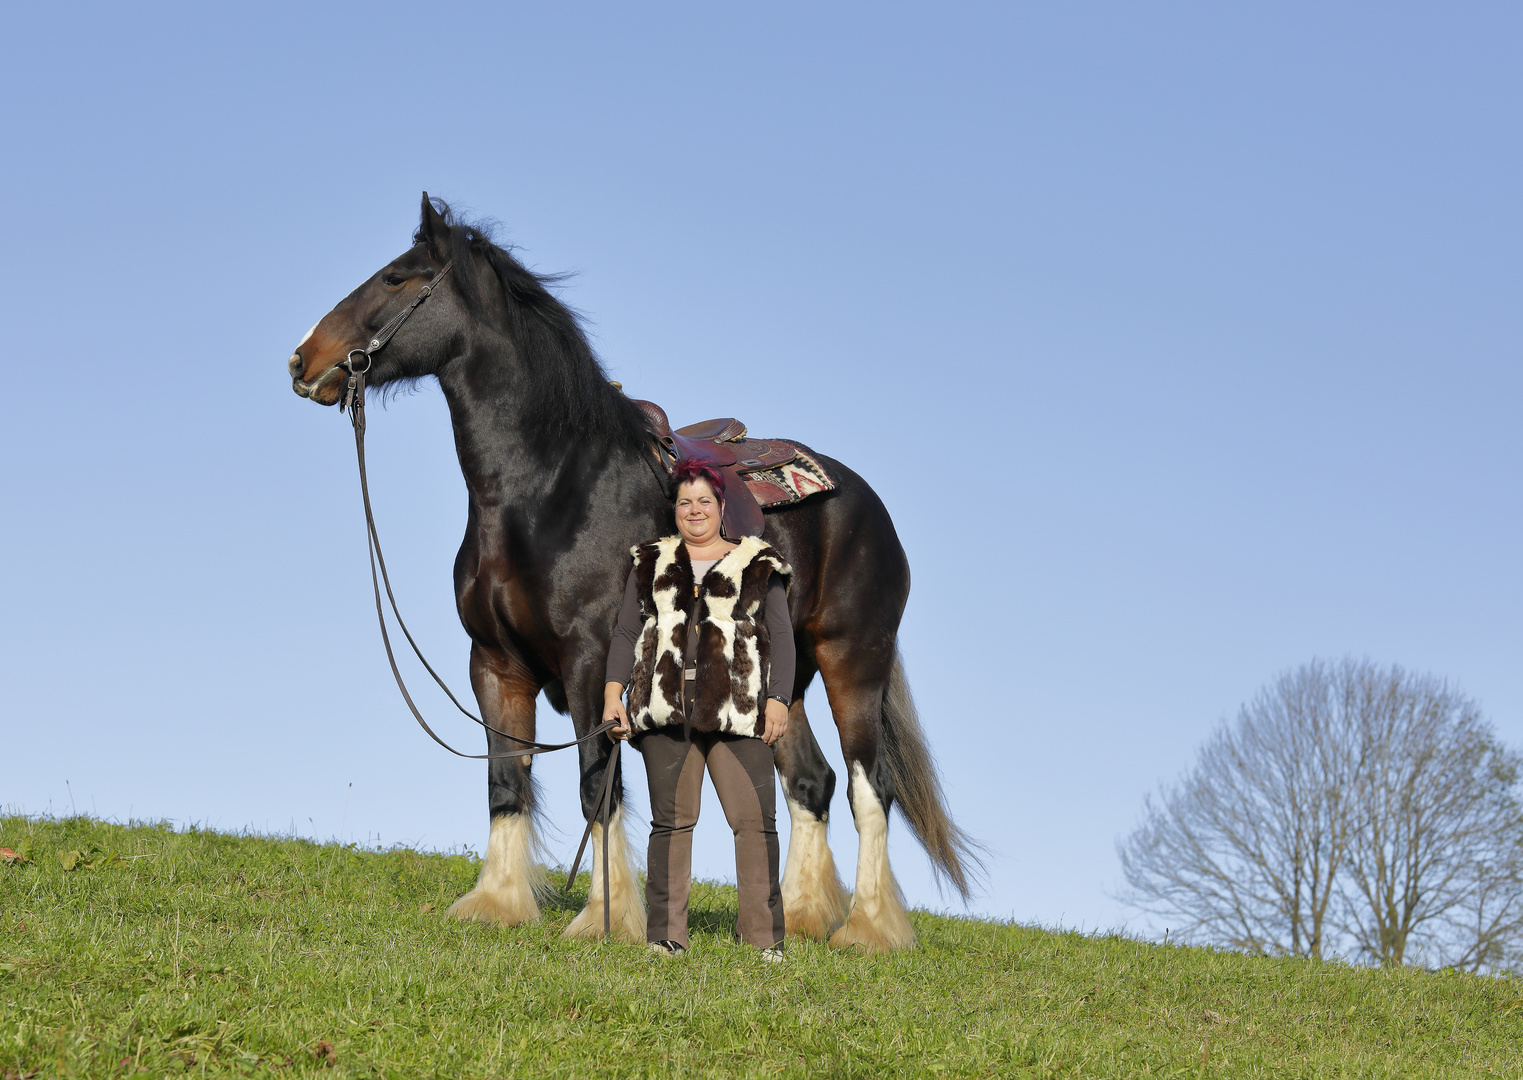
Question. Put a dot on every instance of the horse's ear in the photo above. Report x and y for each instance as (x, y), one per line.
(433, 230)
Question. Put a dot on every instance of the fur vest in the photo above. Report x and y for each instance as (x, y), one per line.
(734, 654)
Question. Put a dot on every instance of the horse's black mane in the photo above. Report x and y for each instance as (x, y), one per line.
(568, 392)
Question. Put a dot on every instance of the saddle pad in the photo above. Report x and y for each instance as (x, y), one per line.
(798, 477)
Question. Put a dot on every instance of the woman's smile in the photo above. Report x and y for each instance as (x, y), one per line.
(698, 514)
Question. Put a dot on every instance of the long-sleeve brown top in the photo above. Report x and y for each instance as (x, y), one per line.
(621, 651)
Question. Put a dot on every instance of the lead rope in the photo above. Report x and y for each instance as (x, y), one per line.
(354, 403)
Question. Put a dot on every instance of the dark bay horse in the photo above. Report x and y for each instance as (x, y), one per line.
(559, 469)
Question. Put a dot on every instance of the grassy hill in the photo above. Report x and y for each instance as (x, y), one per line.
(128, 951)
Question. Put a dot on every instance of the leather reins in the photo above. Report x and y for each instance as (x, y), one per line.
(354, 403)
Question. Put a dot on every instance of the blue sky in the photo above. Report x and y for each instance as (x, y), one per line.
(1181, 342)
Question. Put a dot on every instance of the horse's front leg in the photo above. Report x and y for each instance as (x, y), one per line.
(511, 876)
(584, 695)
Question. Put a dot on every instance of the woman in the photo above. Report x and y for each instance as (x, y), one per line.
(705, 647)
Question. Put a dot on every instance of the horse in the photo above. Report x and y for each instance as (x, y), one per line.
(563, 480)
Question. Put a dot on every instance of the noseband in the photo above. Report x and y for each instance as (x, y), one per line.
(354, 402)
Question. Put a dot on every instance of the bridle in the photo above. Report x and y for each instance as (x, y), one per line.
(354, 403)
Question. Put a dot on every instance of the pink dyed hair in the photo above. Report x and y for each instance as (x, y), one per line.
(689, 469)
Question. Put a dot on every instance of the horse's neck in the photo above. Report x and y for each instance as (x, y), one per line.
(504, 465)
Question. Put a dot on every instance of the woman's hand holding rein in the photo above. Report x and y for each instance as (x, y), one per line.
(613, 709)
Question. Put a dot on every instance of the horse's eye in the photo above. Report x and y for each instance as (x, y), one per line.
(393, 279)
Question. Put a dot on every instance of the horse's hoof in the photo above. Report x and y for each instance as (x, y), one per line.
(624, 892)
(814, 916)
(496, 906)
(510, 878)
(889, 932)
(814, 900)
(870, 939)
(628, 926)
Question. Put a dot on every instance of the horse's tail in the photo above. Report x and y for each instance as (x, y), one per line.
(954, 854)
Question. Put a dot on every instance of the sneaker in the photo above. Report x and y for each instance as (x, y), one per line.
(773, 955)
(668, 948)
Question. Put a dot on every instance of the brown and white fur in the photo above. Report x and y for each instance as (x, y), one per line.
(732, 648)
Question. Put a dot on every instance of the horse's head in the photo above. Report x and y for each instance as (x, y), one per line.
(316, 367)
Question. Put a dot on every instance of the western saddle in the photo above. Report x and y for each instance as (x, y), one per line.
(722, 443)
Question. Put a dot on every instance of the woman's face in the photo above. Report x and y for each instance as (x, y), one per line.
(698, 512)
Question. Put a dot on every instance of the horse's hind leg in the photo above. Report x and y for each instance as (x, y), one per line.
(510, 875)
(855, 678)
(814, 900)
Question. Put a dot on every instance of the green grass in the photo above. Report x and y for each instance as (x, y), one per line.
(166, 953)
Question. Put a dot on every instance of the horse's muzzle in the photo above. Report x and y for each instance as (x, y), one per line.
(318, 388)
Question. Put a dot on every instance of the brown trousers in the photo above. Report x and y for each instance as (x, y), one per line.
(743, 772)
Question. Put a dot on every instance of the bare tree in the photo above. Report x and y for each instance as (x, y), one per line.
(1348, 809)
(1485, 932)
(1436, 814)
(1245, 849)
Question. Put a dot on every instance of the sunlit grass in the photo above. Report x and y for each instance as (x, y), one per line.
(167, 953)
